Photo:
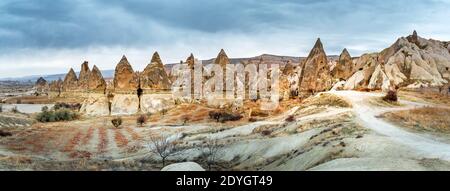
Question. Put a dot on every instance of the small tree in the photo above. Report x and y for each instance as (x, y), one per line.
(141, 120)
(209, 152)
(117, 122)
(161, 146)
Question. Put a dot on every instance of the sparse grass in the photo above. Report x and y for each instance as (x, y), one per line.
(432, 97)
(325, 99)
(426, 118)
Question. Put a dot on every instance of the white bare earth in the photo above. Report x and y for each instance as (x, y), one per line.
(425, 146)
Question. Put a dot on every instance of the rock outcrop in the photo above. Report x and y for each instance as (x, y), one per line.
(96, 82)
(153, 103)
(125, 104)
(184, 166)
(96, 104)
(344, 66)
(83, 79)
(70, 82)
(315, 72)
(41, 85)
(222, 59)
(125, 79)
(411, 62)
(55, 86)
(190, 61)
(154, 76)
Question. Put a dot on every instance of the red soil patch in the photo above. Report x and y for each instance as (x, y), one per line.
(103, 140)
(121, 140)
(133, 134)
(73, 142)
(80, 154)
(88, 136)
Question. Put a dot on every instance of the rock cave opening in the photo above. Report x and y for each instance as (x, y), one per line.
(139, 92)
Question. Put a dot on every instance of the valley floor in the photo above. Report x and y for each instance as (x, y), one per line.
(344, 132)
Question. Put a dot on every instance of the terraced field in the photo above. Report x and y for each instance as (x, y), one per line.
(63, 141)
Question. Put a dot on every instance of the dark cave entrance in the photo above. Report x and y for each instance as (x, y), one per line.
(139, 92)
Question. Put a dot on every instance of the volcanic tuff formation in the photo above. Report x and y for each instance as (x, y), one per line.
(70, 81)
(125, 79)
(96, 83)
(344, 66)
(83, 80)
(154, 76)
(411, 62)
(315, 72)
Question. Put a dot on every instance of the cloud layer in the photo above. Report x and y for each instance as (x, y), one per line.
(48, 36)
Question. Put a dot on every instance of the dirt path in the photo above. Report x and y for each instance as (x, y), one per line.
(366, 113)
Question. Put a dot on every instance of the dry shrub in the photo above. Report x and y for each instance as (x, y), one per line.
(391, 96)
(117, 122)
(5, 134)
(290, 118)
(252, 119)
(223, 116)
(141, 120)
(266, 132)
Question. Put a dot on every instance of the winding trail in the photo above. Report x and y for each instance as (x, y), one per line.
(366, 112)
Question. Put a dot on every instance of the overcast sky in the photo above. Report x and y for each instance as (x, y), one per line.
(49, 36)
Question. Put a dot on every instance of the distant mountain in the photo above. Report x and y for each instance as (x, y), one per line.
(52, 77)
(265, 59)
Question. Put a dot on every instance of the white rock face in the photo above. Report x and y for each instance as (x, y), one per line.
(184, 166)
(379, 80)
(338, 86)
(95, 105)
(152, 103)
(125, 104)
(354, 81)
(411, 62)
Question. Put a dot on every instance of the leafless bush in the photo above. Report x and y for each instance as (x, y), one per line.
(161, 146)
(209, 152)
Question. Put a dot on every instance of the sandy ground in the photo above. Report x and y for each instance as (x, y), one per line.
(325, 137)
